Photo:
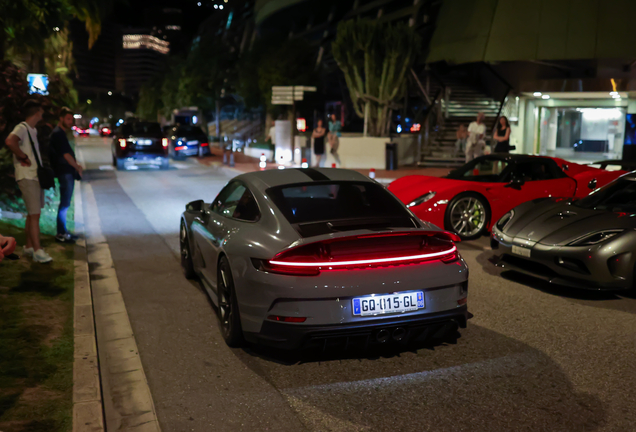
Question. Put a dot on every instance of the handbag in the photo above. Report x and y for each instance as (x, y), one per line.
(46, 177)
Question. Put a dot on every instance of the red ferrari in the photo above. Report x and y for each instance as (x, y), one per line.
(473, 197)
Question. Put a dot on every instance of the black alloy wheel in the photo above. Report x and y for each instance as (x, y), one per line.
(228, 311)
(186, 257)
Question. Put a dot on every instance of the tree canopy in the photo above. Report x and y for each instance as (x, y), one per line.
(375, 59)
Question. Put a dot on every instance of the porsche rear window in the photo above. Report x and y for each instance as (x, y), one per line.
(315, 202)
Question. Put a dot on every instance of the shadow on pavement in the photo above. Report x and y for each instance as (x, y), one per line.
(596, 298)
(485, 381)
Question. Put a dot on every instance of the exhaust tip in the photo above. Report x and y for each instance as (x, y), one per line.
(399, 334)
(382, 336)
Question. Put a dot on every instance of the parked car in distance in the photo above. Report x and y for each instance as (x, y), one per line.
(137, 142)
(187, 140)
(302, 257)
(105, 130)
(82, 132)
(582, 243)
(472, 198)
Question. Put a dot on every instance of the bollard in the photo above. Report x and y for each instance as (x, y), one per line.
(333, 165)
(232, 159)
(281, 163)
(224, 157)
(304, 163)
(263, 163)
(372, 173)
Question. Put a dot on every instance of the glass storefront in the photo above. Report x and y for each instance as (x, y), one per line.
(581, 134)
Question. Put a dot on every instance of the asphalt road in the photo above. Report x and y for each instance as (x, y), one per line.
(533, 358)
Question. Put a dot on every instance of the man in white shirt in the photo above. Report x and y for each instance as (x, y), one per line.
(22, 141)
(475, 143)
(272, 134)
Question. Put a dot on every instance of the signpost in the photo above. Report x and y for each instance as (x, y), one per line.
(288, 95)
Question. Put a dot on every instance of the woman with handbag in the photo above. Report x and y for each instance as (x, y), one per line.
(31, 175)
(334, 137)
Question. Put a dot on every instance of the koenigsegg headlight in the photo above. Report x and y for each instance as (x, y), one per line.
(501, 224)
(596, 238)
(421, 199)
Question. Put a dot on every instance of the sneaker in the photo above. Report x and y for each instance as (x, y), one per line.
(65, 238)
(40, 256)
(27, 252)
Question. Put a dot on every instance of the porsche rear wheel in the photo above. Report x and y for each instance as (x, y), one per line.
(467, 215)
(186, 256)
(229, 316)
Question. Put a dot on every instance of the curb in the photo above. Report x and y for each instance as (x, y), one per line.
(127, 401)
(88, 415)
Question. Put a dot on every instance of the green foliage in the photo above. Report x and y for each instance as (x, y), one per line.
(375, 59)
(150, 100)
(170, 87)
(26, 24)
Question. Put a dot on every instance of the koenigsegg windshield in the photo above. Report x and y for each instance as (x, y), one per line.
(339, 206)
(487, 169)
(619, 196)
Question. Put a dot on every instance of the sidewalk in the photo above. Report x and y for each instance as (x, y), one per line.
(245, 164)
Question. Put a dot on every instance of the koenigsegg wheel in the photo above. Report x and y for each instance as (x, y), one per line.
(186, 255)
(467, 215)
(229, 315)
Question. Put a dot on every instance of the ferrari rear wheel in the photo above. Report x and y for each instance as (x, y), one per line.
(186, 256)
(229, 315)
(467, 215)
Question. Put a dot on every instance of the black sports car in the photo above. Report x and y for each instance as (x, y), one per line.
(137, 142)
(583, 243)
(187, 140)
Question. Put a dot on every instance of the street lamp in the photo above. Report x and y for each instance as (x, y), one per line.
(110, 93)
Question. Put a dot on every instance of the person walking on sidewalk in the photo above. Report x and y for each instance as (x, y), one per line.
(475, 143)
(334, 137)
(67, 170)
(319, 142)
(23, 143)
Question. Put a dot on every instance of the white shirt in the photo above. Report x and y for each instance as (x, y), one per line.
(474, 131)
(272, 134)
(23, 172)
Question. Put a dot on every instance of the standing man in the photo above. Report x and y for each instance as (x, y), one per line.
(23, 142)
(271, 136)
(475, 142)
(67, 170)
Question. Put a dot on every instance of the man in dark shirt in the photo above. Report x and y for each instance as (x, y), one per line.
(67, 170)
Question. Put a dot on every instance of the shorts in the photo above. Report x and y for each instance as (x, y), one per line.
(33, 195)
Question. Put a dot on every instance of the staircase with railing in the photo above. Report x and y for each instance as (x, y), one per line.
(458, 103)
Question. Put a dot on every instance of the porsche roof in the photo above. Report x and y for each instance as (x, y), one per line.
(280, 177)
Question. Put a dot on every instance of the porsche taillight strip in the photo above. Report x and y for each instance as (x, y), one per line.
(363, 262)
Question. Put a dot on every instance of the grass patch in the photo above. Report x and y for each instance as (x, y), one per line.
(36, 339)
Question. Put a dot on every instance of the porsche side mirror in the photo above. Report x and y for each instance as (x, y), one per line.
(195, 206)
(592, 184)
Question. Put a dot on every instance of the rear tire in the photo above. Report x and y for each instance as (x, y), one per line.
(119, 163)
(468, 215)
(229, 315)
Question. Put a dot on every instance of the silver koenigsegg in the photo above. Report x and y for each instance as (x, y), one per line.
(301, 256)
(585, 243)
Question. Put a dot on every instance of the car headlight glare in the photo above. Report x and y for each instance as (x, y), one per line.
(501, 224)
(596, 238)
(421, 199)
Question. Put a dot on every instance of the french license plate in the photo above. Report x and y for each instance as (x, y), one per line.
(388, 303)
(143, 142)
(518, 250)
(192, 143)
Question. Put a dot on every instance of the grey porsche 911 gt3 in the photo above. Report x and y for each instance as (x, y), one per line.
(301, 257)
(585, 243)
